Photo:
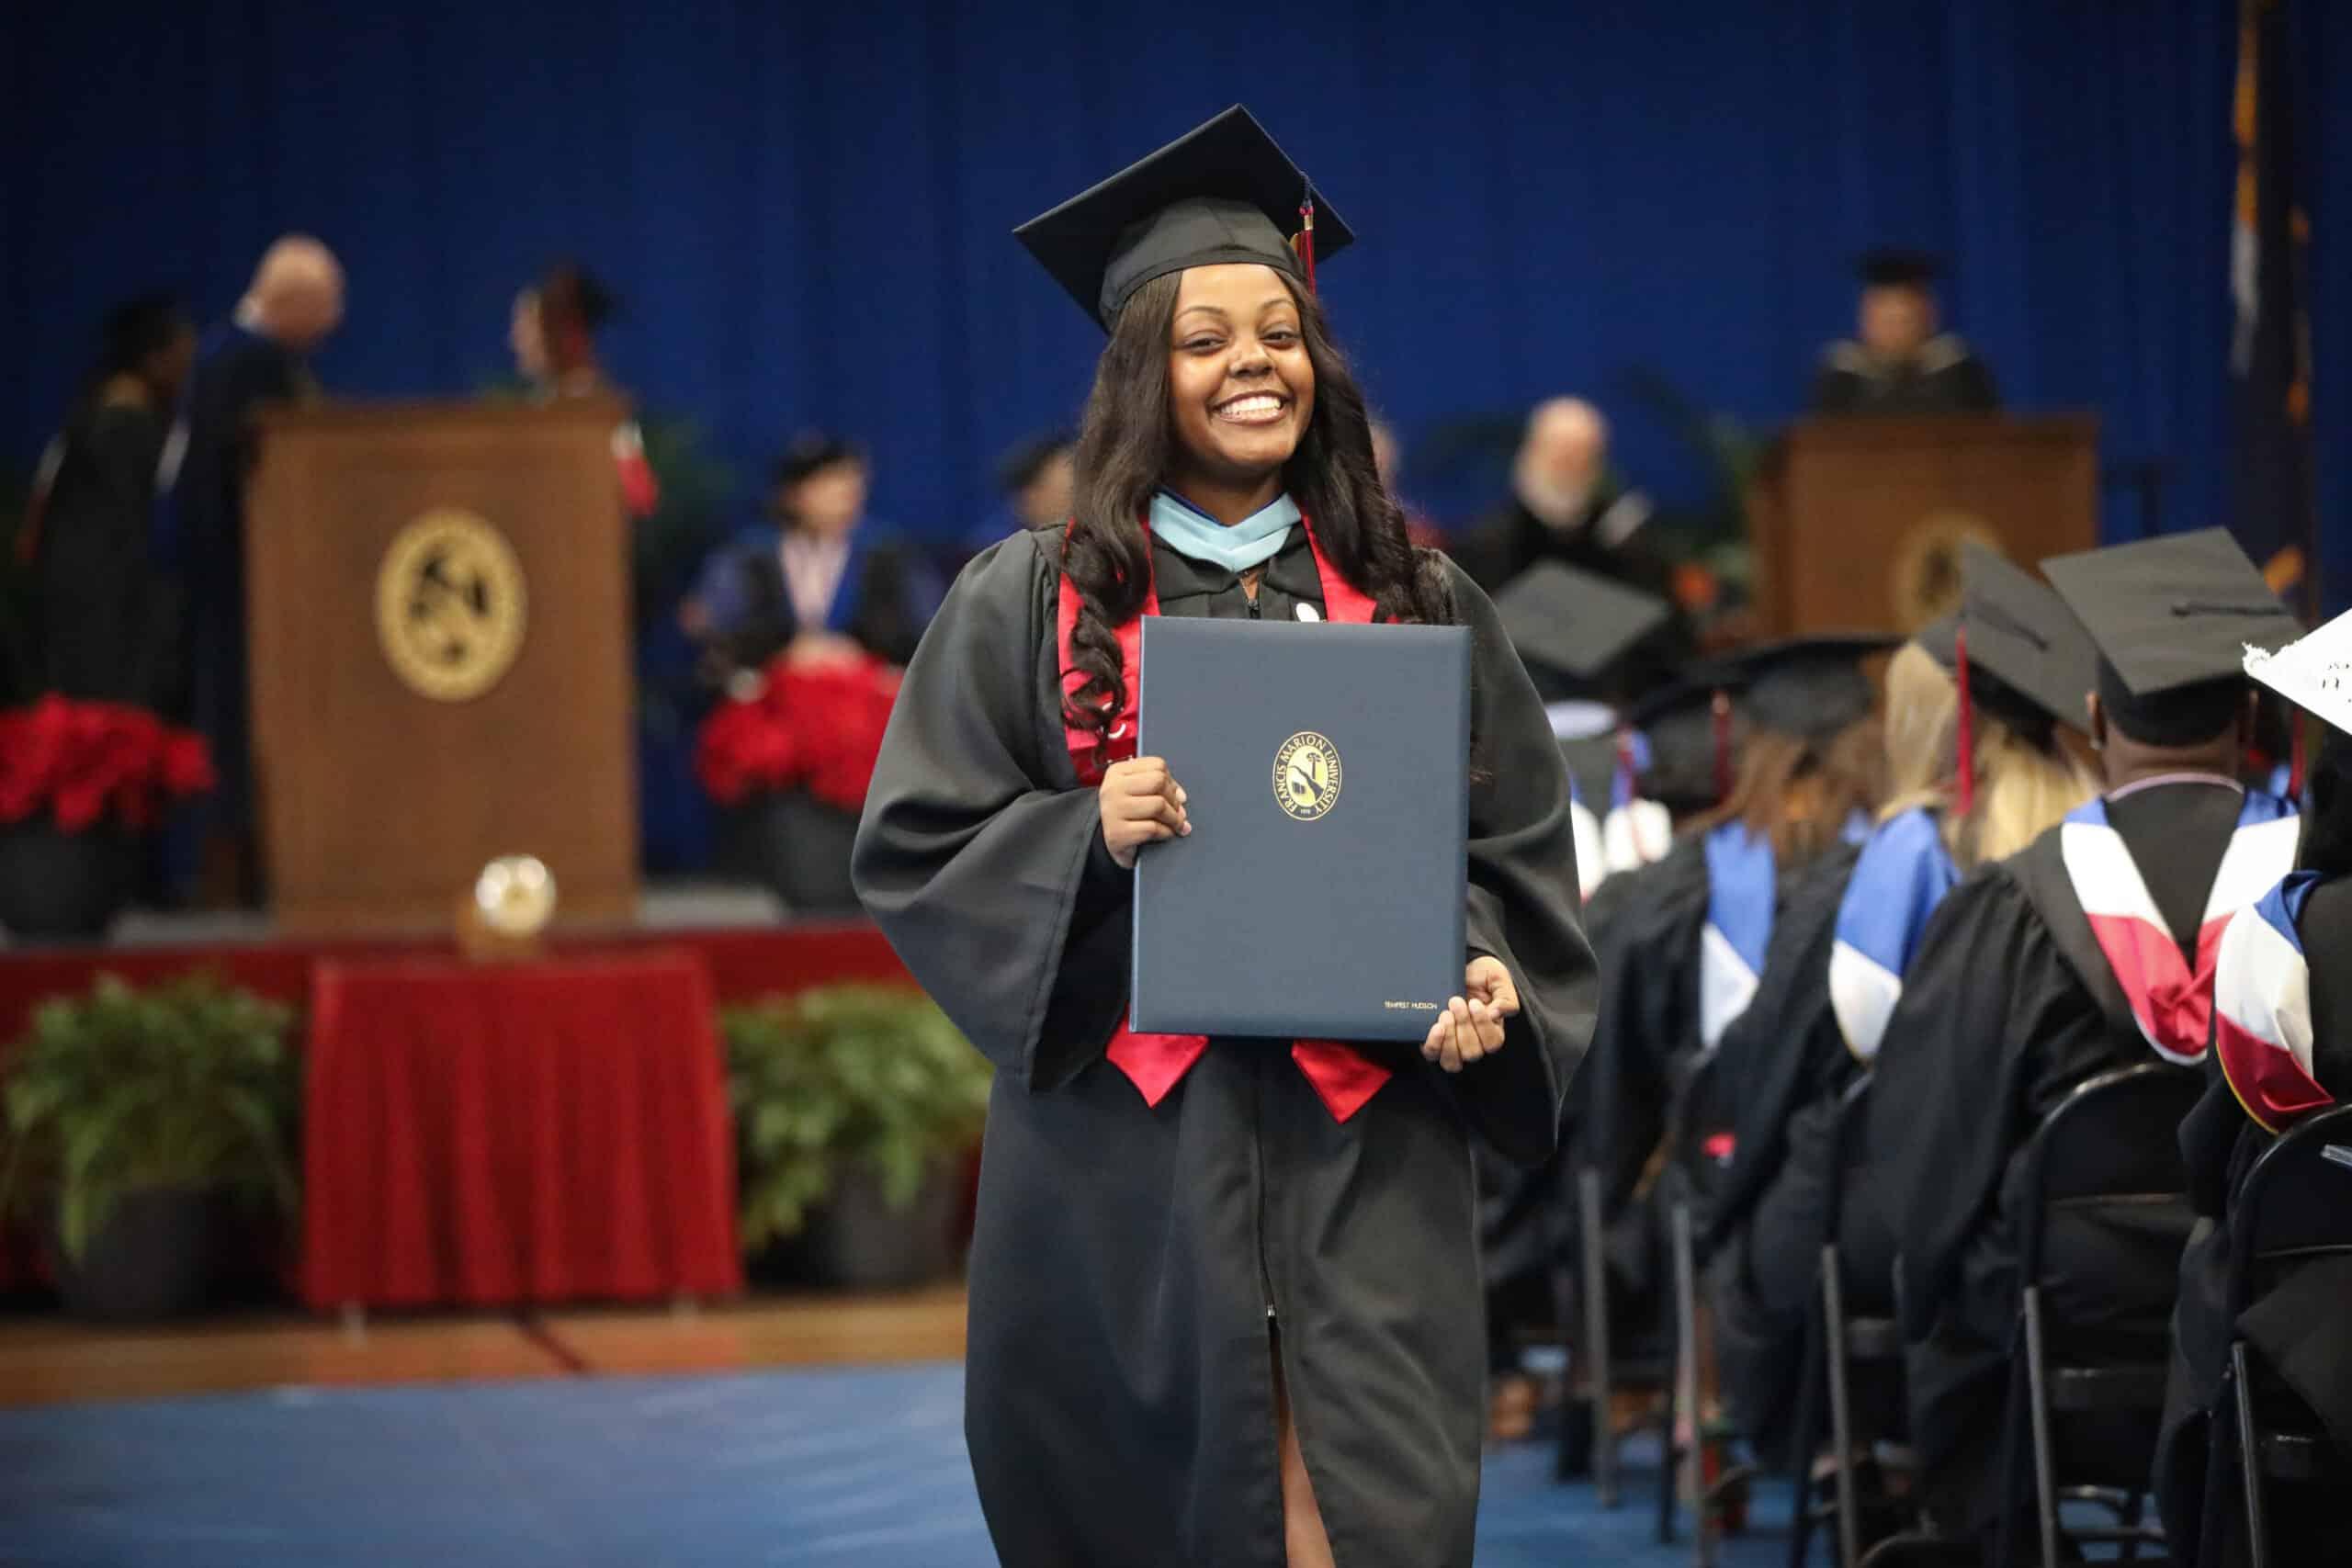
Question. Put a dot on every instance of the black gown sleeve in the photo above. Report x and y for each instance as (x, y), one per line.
(979, 854)
(1835, 391)
(1988, 1001)
(1778, 1055)
(1977, 392)
(1524, 898)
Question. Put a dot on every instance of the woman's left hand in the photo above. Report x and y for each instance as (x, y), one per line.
(1471, 1027)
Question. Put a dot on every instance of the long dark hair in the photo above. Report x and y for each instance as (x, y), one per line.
(2326, 845)
(1125, 452)
(1831, 778)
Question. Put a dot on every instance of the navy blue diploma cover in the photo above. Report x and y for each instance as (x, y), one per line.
(1326, 773)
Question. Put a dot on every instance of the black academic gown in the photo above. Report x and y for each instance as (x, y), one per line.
(1784, 1066)
(102, 610)
(2008, 1005)
(240, 372)
(1946, 377)
(2300, 1332)
(1130, 1264)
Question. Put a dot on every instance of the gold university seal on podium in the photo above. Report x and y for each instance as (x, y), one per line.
(449, 605)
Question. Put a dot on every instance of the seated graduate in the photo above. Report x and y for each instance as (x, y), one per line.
(1591, 646)
(2087, 951)
(1680, 957)
(1233, 1321)
(1977, 772)
(1587, 642)
(1898, 362)
(2282, 1051)
(816, 584)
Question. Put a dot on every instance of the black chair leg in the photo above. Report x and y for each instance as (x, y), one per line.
(2044, 1463)
(2258, 1527)
(2220, 1444)
(1842, 1411)
(1598, 1381)
(1668, 1469)
(1805, 1437)
(2013, 1458)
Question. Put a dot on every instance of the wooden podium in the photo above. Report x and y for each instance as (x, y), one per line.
(439, 623)
(1855, 522)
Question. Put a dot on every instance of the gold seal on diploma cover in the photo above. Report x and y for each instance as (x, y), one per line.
(449, 605)
(1307, 776)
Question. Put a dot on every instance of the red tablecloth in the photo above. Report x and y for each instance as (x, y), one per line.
(482, 1136)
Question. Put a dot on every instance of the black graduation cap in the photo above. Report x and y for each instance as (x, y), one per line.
(1574, 622)
(1224, 192)
(1689, 730)
(1895, 267)
(1810, 687)
(2171, 618)
(2028, 658)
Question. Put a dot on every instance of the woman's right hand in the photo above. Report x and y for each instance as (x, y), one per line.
(1140, 803)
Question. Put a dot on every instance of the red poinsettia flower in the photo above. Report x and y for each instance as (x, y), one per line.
(815, 727)
(88, 763)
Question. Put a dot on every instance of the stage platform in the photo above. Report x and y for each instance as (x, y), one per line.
(751, 947)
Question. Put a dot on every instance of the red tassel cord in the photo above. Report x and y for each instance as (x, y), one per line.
(1305, 244)
(1967, 725)
(2295, 768)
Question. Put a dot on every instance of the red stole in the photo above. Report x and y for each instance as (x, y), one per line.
(1345, 1079)
(2171, 1000)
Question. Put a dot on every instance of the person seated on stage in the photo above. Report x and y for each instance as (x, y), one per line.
(1567, 506)
(1898, 362)
(1843, 942)
(1685, 938)
(102, 610)
(2282, 1048)
(2087, 951)
(816, 584)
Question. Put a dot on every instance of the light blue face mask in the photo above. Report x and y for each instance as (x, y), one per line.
(1253, 541)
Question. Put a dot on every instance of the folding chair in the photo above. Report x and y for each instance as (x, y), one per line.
(2293, 1210)
(1695, 1126)
(2105, 1161)
(1604, 1370)
(1836, 1346)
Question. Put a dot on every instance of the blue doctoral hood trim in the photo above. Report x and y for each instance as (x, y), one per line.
(1742, 888)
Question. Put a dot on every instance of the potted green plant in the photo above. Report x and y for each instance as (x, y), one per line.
(854, 1106)
(142, 1126)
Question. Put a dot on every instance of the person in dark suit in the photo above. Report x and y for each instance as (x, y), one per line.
(1899, 362)
(816, 583)
(259, 356)
(103, 616)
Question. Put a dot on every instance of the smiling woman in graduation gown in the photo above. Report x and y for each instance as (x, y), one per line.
(2088, 951)
(1137, 1267)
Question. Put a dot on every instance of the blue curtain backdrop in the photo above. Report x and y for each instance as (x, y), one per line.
(806, 206)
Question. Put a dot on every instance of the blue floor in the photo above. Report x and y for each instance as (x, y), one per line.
(818, 1469)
